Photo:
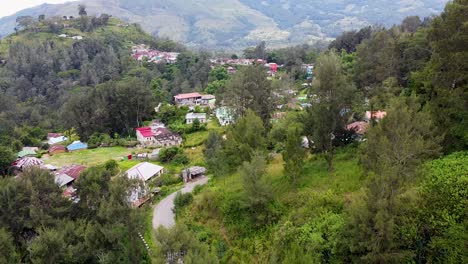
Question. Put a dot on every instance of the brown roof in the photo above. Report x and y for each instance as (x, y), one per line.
(73, 171)
(57, 148)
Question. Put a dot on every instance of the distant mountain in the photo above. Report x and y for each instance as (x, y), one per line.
(235, 24)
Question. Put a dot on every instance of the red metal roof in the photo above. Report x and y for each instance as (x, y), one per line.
(73, 171)
(145, 131)
(187, 96)
(54, 135)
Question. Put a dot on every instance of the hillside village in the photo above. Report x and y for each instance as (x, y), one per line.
(127, 148)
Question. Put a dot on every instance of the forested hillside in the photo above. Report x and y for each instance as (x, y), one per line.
(353, 154)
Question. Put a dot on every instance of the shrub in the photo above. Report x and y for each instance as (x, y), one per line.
(181, 200)
(173, 154)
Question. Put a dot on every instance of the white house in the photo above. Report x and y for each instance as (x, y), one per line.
(145, 171)
(190, 117)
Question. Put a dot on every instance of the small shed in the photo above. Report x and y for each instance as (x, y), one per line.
(77, 145)
(192, 172)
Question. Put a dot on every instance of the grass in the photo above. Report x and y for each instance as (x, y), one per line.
(195, 139)
(88, 157)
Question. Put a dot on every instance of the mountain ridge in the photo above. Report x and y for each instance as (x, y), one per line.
(233, 24)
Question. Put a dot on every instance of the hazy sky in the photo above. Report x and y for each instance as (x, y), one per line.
(9, 7)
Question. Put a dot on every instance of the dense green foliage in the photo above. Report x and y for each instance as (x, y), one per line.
(41, 221)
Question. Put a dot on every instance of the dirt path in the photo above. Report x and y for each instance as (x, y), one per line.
(163, 214)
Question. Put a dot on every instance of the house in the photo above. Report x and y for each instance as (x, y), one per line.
(28, 162)
(145, 171)
(190, 117)
(360, 127)
(376, 115)
(192, 172)
(77, 145)
(77, 37)
(166, 138)
(157, 137)
(53, 135)
(27, 152)
(188, 99)
(56, 149)
(62, 35)
(208, 99)
(225, 116)
(74, 171)
(56, 140)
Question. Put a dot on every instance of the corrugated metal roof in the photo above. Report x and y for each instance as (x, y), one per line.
(63, 179)
(144, 171)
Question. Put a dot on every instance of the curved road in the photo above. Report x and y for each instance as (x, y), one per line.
(163, 214)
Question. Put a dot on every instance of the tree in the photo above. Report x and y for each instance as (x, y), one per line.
(444, 81)
(260, 51)
(376, 60)
(257, 193)
(6, 158)
(214, 154)
(402, 140)
(334, 99)
(443, 215)
(196, 125)
(178, 245)
(24, 22)
(8, 253)
(243, 139)
(396, 146)
(250, 89)
(82, 10)
(294, 153)
(411, 24)
(219, 74)
(348, 41)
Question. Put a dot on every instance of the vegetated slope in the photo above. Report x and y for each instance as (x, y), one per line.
(240, 23)
(313, 208)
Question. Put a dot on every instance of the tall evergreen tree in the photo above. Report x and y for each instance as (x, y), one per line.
(331, 106)
(396, 146)
(294, 153)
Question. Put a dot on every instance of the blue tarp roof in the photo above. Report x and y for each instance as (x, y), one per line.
(77, 145)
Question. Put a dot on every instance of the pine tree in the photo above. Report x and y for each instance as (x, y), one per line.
(294, 154)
